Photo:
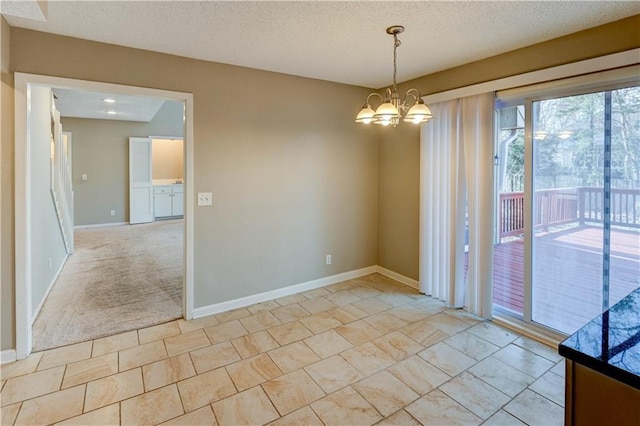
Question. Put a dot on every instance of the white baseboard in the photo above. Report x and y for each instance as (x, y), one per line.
(100, 225)
(8, 355)
(281, 292)
(400, 278)
(46, 293)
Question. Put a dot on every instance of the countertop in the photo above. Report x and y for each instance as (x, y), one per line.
(610, 343)
(166, 182)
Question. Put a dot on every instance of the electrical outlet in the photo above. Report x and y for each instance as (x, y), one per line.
(328, 259)
(50, 263)
(205, 198)
(113, 212)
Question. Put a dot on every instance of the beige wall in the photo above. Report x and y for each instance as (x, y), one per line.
(168, 158)
(399, 161)
(101, 151)
(7, 331)
(48, 251)
(398, 199)
(293, 182)
(598, 41)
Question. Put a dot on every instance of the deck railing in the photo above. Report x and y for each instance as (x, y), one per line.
(568, 205)
(511, 214)
(625, 206)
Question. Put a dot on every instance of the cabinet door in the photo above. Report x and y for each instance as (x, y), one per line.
(163, 204)
(178, 203)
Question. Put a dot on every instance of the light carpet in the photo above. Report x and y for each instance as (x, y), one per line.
(118, 279)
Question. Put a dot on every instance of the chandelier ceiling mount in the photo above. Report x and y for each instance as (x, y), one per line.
(395, 29)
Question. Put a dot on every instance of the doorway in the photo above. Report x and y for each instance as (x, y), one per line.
(24, 236)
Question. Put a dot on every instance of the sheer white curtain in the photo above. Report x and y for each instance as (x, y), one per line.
(442, 189)
(456, 168)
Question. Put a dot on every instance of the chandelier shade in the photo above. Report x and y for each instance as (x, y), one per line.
(419, 113)
(365, 115)
(386, 114)
(392, 107)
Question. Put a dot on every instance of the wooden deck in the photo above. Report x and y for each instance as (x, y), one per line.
(508, 275)
(568, 275)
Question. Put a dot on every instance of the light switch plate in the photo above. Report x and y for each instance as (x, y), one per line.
(205, 199)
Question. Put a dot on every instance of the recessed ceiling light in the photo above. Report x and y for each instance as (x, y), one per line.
(111, 112)
(109, 100)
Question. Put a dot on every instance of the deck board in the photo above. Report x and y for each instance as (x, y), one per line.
(567, 274)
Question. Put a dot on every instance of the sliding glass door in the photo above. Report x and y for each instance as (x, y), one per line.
(582, 239)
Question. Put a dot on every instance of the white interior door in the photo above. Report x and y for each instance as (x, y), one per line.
(140, 187)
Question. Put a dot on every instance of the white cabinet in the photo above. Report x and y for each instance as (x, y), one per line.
(177, 204)
(162, 201)
(168, 200)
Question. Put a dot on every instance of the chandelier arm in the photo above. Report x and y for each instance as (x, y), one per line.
(375, 94)
(411, 92)
(389, 94)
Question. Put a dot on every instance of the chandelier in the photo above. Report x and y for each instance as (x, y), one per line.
(391, 108)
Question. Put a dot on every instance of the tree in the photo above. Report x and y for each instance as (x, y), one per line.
(625, 133)
(552, 122)
(515, 163)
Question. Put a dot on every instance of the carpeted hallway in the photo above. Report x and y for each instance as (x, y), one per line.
(119, 278)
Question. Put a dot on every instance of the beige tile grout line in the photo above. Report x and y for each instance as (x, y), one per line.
(84, 398)
(184, 410)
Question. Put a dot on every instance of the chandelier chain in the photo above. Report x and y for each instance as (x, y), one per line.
(396, 43)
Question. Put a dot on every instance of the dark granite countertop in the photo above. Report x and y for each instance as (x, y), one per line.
(610, 343)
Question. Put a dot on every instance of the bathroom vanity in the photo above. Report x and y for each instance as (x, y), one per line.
(168, 199)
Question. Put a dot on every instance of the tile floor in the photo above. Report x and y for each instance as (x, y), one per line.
(360, 352)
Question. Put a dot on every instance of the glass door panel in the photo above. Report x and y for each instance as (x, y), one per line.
(586, 246)
(508, 253)
(568, 146)
(624, 250)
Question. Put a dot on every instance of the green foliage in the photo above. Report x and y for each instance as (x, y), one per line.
(515, 163)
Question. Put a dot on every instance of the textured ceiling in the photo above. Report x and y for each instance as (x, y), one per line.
(83, 104)
(337, 41)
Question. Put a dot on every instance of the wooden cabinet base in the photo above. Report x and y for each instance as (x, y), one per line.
(592, 398)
